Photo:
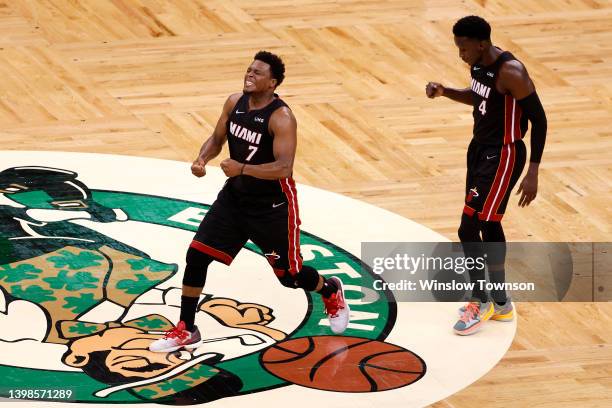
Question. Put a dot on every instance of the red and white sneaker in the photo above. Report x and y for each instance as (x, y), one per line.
(336, 309)
(177, 338)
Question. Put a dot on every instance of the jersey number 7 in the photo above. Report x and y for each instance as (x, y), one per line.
(253, 149)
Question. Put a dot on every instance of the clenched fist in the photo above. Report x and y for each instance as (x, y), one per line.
(434, 89)
(198, 169)
(231, 167)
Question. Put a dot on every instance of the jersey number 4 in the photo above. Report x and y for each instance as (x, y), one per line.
(253, 150)
(483, 107)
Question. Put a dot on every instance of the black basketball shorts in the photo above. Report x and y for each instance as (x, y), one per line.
(492, 172)
(271, 222)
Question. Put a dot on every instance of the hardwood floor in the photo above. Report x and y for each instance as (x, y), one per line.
(148, 78)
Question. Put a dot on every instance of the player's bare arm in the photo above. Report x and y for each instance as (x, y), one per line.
(284, 127)
(213, 145)
(435, 89)
(514, 79)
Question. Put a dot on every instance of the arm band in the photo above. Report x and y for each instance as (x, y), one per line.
(533, 109)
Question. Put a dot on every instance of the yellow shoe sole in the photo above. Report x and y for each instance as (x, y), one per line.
(488, 314)
(508, 317)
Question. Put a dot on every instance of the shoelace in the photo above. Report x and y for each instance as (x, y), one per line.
(332, 305)
(471, 310)
(178, 331)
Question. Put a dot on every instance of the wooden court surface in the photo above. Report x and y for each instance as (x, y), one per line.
(148, 78)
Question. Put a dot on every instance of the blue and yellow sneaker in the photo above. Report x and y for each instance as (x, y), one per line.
(501, 313)
(474, 315)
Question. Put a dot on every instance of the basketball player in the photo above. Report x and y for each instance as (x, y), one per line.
(258, 201)
(503, 99)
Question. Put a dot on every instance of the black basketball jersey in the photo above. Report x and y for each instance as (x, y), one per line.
(497, 117)
(250, 142)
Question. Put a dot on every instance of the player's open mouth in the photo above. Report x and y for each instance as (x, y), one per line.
(248, 83)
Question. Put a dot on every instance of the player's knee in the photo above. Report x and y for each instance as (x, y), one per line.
(469, 229)
(492, 231)
(196, 268)
(307, 278)
(288, 280)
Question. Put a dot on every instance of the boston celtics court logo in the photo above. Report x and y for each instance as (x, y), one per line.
(92, 253)
(79, 293)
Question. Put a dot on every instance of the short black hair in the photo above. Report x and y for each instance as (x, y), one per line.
(277, 68)
(472, 27)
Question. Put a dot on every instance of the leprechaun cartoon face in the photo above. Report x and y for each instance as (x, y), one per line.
(116, 353)
(120, 355)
